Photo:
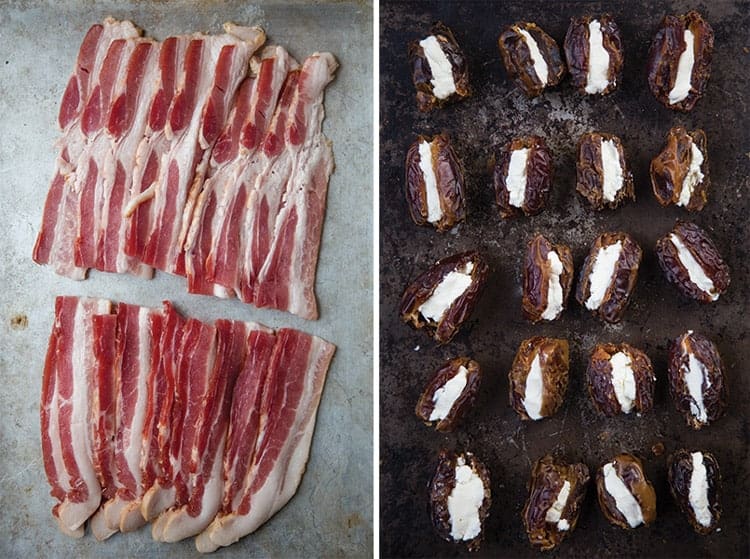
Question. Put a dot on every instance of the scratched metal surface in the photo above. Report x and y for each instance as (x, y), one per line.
(492, 335)
(331, 513)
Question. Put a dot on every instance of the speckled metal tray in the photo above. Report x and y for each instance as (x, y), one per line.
(331, 515)
(497, 111)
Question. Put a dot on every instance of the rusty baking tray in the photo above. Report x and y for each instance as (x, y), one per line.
(498, 110)
(331, 515)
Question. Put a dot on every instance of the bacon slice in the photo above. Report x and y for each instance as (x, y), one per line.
(65, 412)
(268, 444)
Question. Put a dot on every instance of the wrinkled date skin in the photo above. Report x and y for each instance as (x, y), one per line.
(618, 293)
(449, 175)
(422, 75)
(714, 396)
(664, 58)
(547, 479)
(704, 251)
(536, 274)
(539, 173)
(680, 470)
(630, 470)
(422, 287)
(577, 51)
(599, 379)
(441, 486)
(669, 169)
(518, 62)
(590, 172)
(463, 403)
(554, 362)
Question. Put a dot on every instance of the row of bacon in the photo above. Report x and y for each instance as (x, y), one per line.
(203, 430)
(200, 155)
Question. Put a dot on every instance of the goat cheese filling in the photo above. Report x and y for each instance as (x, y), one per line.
(698, 493)
(597, 77)
(623, 380)
(612, 180)
(693, 268)
(625, 502)
(464, 503)
(555, 511)
(682, 81)
(443, 84)
(515, 182)
(601, 274)
(427, 165)
(540, 65)
(554, 287)
(693, 177)
(534, 391)
(450, 288)
(445, 396)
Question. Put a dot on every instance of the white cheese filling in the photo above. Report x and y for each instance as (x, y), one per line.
(445, 396)
(601, 274)
(464, 503)
(540, 65)
(515, 182)
(625, 502)
(443, 84)
(694, 375)
(693, 177)
(554, 287)
(597, 79)
(427, 165)
(450, 288)
(694, 270)
(682, 82)
(611, 170)
(555, 511)
(534, 391)
(698, 494)
(623, 380)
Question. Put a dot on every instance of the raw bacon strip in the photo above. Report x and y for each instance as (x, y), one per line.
(288, 406)
(213, 242)
(56, 239)
(65, 412)
(201, 99)
(287, 279)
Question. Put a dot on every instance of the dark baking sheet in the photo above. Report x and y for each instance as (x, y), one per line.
(408, 449)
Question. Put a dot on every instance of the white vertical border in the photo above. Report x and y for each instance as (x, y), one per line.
(376, 279)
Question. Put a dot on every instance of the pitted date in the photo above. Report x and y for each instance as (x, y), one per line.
(442, 298)
(552, 508)
(696, 379)
(625, 474)
(523, 176)
(538, 378)
(620, 378)
(450, 394)
(672, 88)
(594, 53)
(679, 174)
(435, 184)
(692, 263)
(448, 79)
(519, 46)
(608, 297)
(459, 475)
(695, 484)
(547, 279)
(602, 173)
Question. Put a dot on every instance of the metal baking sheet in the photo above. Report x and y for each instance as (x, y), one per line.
(331, 515)
(496, 112)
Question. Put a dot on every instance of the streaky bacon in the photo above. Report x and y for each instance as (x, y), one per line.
(287, 407)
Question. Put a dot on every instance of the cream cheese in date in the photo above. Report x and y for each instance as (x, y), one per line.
(597, 78)
(698, 494)
(446, 395)
(601, 275)
(434, 211)
(694, 375)
(612, 179)
(694, 270)
(555, 511)
(554, 287)
(443, 84)
(693, 177)
(623, 380)
(682, 82)
(540, 65)
(464, 503)
(452, 286)
(534, 391)
(625, 502)
(516, 179)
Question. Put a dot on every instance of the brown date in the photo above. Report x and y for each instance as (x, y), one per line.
(664, 61)
(519, 46)
(450, 394)
(547, 279)
(430, 83)
(528, 190)
(458, 475)
(579, 42)
(442, 298)
(697, 471)
(620, 378)
(696, 379)
(608, 297)
(602, 173)
(624, 475)
(552, 508)
(692, 263)
(679, 174)
(435, 187)
(538, 378)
